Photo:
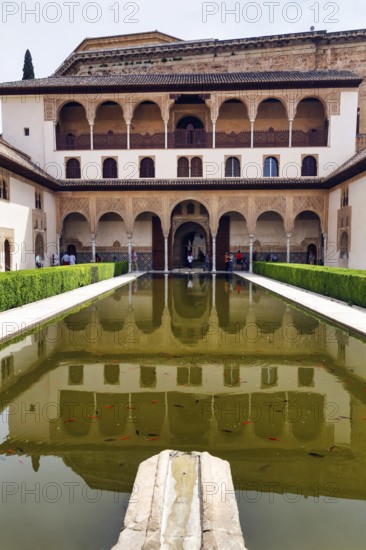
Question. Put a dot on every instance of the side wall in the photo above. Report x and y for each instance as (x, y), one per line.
(20, 223)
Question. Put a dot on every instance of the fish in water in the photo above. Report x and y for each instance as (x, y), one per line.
(153, 435)
(180, 406)
(137, 432)
(110, 439)
(227, 431)
(70, 420)
(125, 437)
(153, 438)
(316, 455)
(273, 438)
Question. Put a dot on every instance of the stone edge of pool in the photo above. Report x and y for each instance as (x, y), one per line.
(350, 317)
(20, 320)
(14, 322)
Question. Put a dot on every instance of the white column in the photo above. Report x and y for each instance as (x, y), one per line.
(165, 253)
(290, 133)
(166, 290)
(288, 247)
(213, 291)
(213, 135)
(54, 136)
(91, 137)
(251, 241)
(129, 245)
(166, 134)
(128, 134)
(329, 130)
(325, 252)
(93, 247)
(58, 247)
(213, 253)
(252, 133)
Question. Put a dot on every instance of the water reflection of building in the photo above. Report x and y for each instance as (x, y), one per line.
(208, 314)
(97, 398)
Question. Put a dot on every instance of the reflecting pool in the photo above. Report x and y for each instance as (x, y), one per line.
(188, 363)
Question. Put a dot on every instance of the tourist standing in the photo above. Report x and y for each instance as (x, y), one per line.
(190, 260)
(134, 258)
(65, 259)
(72, 259)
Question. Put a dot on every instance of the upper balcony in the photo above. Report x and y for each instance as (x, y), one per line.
(190, 124)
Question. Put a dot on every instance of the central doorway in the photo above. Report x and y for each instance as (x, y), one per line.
(189, 237)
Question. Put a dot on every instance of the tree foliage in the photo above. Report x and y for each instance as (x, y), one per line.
(28, 69)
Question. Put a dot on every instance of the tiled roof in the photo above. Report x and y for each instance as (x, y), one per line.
(20, 163)
(191, 183)
(183, 82)
(352, 167)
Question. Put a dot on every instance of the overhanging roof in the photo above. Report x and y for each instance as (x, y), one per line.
(19, 163)
(133, 83)
(153, 184)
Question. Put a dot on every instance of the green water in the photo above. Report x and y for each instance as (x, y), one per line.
(197, 363)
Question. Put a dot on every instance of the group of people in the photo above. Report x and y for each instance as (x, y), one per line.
(240, 261)
(68, 259)
(205, 260)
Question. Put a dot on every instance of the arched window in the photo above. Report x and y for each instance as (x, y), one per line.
(190, 208)
(3, 190)
(183, 167)
(147, 168)
(270, 167)
(38, 201)
(232, 168)
(196, 167)
(308, 167)
(73, 169)
(70, 141)
(110, 168)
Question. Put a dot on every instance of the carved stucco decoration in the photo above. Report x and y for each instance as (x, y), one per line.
(233, 204)
(71, 205)
(50, 109)
(103, 206)
(200, 220)
(270, 204)
(173, 201)
(313, 203)
(147, 204)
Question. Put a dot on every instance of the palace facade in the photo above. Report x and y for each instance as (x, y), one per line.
(151, 143)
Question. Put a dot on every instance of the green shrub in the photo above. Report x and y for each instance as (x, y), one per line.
(348, 285)
(18, 288)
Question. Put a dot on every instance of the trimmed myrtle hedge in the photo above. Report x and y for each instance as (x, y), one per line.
(18, 288)
(348, 285)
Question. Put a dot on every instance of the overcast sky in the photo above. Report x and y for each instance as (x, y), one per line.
(51, 30)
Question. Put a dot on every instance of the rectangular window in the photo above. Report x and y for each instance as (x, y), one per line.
(26, 131)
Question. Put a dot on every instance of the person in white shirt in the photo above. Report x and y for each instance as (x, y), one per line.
(72, 259)
(66, 259)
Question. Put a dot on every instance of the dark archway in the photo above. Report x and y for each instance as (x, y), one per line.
(311, 254)
(190, 123)
(7, 255)
(189, 236)
(190, 132)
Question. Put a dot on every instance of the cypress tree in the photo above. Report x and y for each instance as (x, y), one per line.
(28, 70)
